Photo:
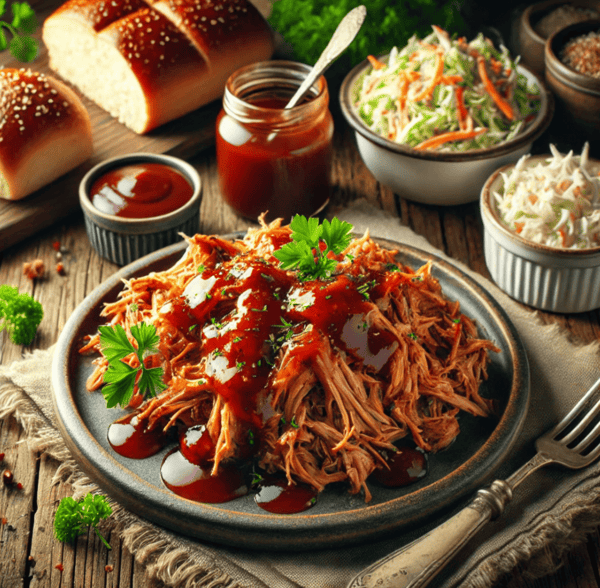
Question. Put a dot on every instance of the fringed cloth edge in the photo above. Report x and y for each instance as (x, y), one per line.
(163, 556)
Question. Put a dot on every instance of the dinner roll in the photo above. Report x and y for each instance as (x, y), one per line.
(45, 131)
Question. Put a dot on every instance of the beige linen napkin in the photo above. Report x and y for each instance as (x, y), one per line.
(553, 510)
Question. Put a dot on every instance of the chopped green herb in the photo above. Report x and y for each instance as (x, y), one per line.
(305, 254)
(20, 315)
(73, 517)
(120, 377)
(23, 46)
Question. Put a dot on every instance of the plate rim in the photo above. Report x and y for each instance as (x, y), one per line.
(280, 532)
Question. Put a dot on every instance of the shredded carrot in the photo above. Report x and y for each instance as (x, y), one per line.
(435, 80)
(496, 66)
(502, 103)
(437, 140)
(451, 80)
(563, 237)
(375, 62)
(461, 111)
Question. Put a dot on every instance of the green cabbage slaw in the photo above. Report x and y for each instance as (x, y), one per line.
(378, 96)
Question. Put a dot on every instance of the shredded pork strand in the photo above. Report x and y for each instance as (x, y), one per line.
(326, 416)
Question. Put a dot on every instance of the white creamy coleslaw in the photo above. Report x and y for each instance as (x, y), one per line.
(555, 202)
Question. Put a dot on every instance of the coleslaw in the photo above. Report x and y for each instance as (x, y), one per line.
(554, 203)
(446, 94)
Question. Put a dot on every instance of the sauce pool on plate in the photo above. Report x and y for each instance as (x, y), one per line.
(141, 190)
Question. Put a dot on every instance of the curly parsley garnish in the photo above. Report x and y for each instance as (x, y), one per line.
(120, 377)
(73, 517)
(305, 252)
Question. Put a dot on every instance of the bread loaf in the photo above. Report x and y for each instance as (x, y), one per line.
(148, 62)
(45, 131)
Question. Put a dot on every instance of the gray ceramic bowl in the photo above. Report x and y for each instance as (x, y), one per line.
(123, 240)
(436, 177)
(577, 95)
(547, 278)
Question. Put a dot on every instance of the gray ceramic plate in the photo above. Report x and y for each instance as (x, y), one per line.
(338, 518)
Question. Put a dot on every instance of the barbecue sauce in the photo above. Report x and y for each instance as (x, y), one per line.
(141, 190)
(272, 159)
(242, 311)
(195, 482)
(277, 496)
(132, 437)
(404, 467)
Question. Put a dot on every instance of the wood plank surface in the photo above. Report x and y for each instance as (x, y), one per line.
(183, 137)
(28, 553)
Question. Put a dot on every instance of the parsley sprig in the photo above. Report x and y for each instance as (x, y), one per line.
(22, 45)
(305, 253)
(121, 377)
(73, 517)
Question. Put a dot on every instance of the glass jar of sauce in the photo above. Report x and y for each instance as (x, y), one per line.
(271, 159)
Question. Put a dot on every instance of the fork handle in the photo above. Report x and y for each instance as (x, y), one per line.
(416, 564)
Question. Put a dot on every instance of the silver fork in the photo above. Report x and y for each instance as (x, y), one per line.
(570, 444)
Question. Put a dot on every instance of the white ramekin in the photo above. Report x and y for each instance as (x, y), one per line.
(547, 278)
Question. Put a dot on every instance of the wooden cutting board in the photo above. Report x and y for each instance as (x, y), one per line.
(182, 138)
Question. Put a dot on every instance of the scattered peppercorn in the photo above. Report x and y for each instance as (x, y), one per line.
(56, 245)
(19, 486)
(8, 477)
(60, 268)
(60, 567)
(34, 269)
(108, 568)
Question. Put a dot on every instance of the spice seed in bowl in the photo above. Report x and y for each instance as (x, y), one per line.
(583, 54)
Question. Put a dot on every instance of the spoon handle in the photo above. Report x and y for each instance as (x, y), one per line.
(342, 37)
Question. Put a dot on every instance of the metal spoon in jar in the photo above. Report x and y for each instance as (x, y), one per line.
(342, 37)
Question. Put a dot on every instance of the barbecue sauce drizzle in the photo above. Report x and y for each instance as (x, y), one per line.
(246, 309)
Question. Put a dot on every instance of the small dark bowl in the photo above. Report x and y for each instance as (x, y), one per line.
(123, 240)
(530, 44)
(577, 95)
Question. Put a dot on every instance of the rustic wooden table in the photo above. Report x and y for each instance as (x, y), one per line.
(29, 555)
